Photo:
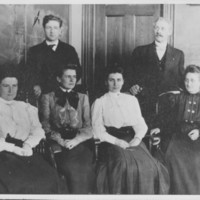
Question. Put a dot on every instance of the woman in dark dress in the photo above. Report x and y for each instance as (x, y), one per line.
(125, 165)
(183, 150)
(21, 170)
(66, 120)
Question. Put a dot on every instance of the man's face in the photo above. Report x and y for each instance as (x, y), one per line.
(162, 31)
(52, 30)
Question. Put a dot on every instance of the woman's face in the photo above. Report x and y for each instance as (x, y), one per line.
(115, 82)
(8, 88)
(68, 79)
(192, 82)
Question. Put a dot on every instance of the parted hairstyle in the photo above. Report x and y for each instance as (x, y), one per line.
(63, 68)
(113, 69)
(9, 69)
(192, 69)
(48, 18)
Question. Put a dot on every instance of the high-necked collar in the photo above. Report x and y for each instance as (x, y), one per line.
(162, 45)
(52, 42)
(6, 102)
(114, 94)
(55, 43)
(65, 90)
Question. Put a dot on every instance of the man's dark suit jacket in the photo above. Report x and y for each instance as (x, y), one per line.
(146, 72)
(145, 69)
(43, 63)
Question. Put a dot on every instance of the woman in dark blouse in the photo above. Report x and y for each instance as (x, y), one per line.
(66, 120)
(182, 154)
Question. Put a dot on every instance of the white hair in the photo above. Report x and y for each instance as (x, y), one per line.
(164, 20)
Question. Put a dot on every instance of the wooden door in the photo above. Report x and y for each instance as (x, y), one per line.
(118, 30)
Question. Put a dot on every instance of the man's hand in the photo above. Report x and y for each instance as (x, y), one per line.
(121, 143)
(194, 134)
(156, 140)
(37, 90)
(135, 89)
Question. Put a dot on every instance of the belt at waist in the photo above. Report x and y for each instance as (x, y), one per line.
(16, 142)
(121, 132)
(67, 133)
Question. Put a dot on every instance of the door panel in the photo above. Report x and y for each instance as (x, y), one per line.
(118, 30)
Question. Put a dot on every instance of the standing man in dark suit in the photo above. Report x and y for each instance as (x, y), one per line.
(156, 68)
(44, 59)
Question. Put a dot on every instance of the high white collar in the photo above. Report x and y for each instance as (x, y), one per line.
(6, 102)
(162, 45)
(65, 90)
(114, 94)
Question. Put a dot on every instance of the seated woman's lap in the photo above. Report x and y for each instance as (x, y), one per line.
(136, 164)
(78, 166)
(28, 175)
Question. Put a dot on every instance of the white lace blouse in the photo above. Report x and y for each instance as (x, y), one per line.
(117, 110)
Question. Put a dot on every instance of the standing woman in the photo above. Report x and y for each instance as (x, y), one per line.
(66, 120)
(21, 170)
(126, 166)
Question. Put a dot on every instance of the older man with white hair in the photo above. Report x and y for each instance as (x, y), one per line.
(156, 68)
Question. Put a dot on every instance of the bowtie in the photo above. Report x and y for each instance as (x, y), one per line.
(51, 46)
(71, 96)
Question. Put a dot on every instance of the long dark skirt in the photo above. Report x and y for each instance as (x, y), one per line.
(28, 175)
(132, 171)
(183, 161)
(78, 166)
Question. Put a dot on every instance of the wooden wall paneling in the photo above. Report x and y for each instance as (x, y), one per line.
(143, 30)
(99, 47)
(168, 12)
(113, 41)
(88, 49)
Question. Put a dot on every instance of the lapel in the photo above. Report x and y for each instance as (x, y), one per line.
(59, 47)
(152, 56)
(169, 57)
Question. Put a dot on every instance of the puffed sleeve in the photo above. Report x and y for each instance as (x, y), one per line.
(5, 146)
(85, 132)
(36, 131)
(45, 118)
(98, 128)
(45, 108)
(140, 126)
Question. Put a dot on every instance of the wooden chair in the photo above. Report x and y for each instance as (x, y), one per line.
(165, 115)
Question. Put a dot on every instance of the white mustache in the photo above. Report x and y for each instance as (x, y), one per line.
(159, 35)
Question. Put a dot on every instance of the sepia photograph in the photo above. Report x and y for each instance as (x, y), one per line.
(99, 100)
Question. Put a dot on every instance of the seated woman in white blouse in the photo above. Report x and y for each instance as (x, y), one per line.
(21, 170)
(126, 166)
